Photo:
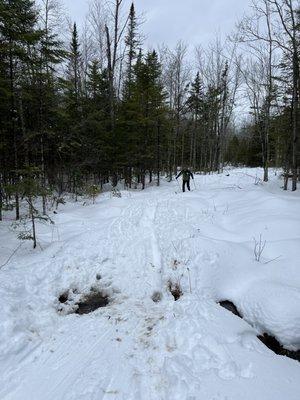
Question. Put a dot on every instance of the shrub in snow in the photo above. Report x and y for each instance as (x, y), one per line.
(29, 188)
(259, 246)
(92, 192)
(26, 226)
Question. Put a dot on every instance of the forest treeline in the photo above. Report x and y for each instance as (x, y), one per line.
(84, 106)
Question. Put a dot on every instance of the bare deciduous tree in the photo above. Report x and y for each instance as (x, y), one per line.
(177, 73)
(273, 30)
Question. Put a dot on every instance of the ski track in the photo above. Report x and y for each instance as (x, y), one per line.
(136, 349)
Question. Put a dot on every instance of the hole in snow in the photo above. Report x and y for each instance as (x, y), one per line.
(230, 307)
(73, 302)
(273, 344)
(64, 297)
(156, 297)
(175, 289)
(91, 302)
(270, 341)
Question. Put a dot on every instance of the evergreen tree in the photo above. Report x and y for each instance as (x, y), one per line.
(74, 78)
(18, 33)
(95, 126)
(132, 42)
(195, 107)
(145, 112)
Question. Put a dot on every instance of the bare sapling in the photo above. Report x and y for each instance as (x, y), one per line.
(259, 246)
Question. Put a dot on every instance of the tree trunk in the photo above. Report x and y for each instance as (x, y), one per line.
(31, 213)
(295, 120)
(158, 152)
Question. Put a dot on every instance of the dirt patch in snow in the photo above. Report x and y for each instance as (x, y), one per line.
(156, 297)
(91, 302)
(175, 289)
(270, 341)
(82, 304)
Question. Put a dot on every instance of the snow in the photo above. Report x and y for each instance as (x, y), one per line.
(135, 348)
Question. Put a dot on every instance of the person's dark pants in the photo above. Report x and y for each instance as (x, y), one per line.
(187, 183)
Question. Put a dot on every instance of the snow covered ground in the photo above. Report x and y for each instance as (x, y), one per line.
(136, 349)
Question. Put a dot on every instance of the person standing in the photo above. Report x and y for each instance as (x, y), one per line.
(186, 177)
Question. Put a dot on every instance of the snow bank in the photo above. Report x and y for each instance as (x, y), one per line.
(275, 309)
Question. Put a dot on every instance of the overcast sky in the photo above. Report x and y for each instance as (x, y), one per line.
(167, 21)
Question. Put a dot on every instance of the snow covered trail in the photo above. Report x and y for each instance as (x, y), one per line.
(136, 349)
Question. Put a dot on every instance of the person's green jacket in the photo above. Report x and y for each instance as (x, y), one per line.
(186, 175)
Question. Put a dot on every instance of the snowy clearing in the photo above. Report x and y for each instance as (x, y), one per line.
(134, 246)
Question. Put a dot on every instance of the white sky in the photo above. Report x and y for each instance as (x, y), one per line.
(167, 21)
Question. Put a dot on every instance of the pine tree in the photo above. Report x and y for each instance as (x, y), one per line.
(42, 89)
(195, 107)
(146, 112)
(18, 33)
(71, 144)
(74, 79)
(95, 127)
(132, 42)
